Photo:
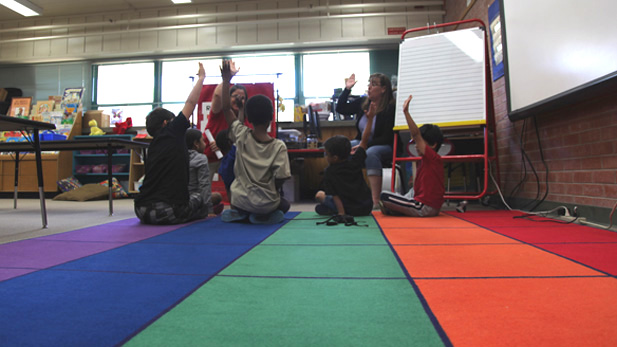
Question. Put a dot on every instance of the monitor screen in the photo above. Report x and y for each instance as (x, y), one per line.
(314, 127)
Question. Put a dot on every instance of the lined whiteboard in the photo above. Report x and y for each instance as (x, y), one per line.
(445, 73)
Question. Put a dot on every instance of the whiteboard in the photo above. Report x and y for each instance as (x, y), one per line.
(445, 73)
(555, 50)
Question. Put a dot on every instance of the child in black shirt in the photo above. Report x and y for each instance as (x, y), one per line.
(346, 191)
(164, 196)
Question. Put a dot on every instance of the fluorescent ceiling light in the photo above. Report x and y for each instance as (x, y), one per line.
(181, 1)
(23, 7)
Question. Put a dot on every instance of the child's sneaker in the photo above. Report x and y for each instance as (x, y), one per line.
(231, 215)
(272, 218)
(384, 210)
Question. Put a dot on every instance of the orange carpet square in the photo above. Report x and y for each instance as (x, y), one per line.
(525, 312)
(496, 260)
(441, 221)
(460, 235)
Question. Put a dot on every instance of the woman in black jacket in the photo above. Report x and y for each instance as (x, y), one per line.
(382, 135)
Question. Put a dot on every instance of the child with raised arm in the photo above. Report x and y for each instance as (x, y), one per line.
(261, 164)
(199, 173)
(346, 191)
(164, 196)
(427, 195)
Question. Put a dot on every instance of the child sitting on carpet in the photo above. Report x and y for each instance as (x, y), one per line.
(346, 191)
(426, 196)
(164, 196)
(226, 169)
(199, 173)
(261, 165)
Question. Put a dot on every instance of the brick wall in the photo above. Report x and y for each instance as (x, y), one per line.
(579, 143)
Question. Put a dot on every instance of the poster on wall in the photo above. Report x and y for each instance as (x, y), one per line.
(494, 20)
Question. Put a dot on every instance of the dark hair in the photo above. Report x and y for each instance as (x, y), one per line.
(222, 141)
(191, 136)
(432, 135)
(155, 119)
(259, 110)
(339, 146)
(388, 96)
(236, 87)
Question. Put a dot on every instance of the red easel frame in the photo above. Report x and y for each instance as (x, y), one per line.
(487, 128)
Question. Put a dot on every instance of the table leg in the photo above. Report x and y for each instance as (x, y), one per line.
(16, 180)
(39, 173)
(109, 179)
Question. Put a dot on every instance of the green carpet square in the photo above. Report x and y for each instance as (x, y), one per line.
(229, 311)
(303, 230)
(317, 261)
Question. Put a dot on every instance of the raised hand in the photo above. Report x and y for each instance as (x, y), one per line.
(201, 73)
(351, 81)
(372, 110)
(226, 71)
(232, 67)
(406, 104)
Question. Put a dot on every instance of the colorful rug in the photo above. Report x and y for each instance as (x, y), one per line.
(473, 279)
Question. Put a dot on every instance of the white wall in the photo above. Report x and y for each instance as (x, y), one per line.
(217, 27)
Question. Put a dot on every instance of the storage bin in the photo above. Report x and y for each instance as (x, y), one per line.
(50, 136)
(101, 168)
(83, 169)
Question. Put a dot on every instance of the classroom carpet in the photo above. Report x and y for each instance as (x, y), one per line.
(482, 278)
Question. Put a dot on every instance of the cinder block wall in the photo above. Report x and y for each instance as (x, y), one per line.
(579, 143)
(219, 26)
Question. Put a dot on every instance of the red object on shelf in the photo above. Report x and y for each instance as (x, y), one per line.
(101, 168)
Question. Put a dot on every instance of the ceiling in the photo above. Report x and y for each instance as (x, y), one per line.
(68, 8)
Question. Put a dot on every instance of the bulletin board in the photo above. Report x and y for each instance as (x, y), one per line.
(445, 73)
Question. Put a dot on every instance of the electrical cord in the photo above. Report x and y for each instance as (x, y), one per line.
(545, 166)
(524, 159)
(539, 213)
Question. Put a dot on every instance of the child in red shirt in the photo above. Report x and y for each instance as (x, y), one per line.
(426, 196)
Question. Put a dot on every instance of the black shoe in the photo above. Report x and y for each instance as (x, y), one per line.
(324, 210)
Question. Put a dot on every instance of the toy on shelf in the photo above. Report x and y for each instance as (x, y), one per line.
(94, 129)
(116, 116)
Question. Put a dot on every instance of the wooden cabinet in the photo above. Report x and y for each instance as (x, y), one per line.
(137, 168)
(56, 166)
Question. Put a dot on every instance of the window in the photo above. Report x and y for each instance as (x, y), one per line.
(325, 72)
(122, 84)
(131, 89)
(277, 69)
(178, 77)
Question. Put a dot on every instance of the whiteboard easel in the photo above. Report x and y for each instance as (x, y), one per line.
(445, 73)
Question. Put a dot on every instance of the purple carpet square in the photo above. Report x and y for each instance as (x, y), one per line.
(41, 254)
(127, 231)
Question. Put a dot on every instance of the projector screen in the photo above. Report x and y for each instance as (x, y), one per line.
(557, 52)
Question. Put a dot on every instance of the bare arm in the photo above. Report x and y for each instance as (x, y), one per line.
(230, 117)
(366, 134)
(217, 101)
(413, 128)
(339, 205)
(193, 98)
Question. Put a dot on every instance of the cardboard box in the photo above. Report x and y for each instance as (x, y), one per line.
(102, 120)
